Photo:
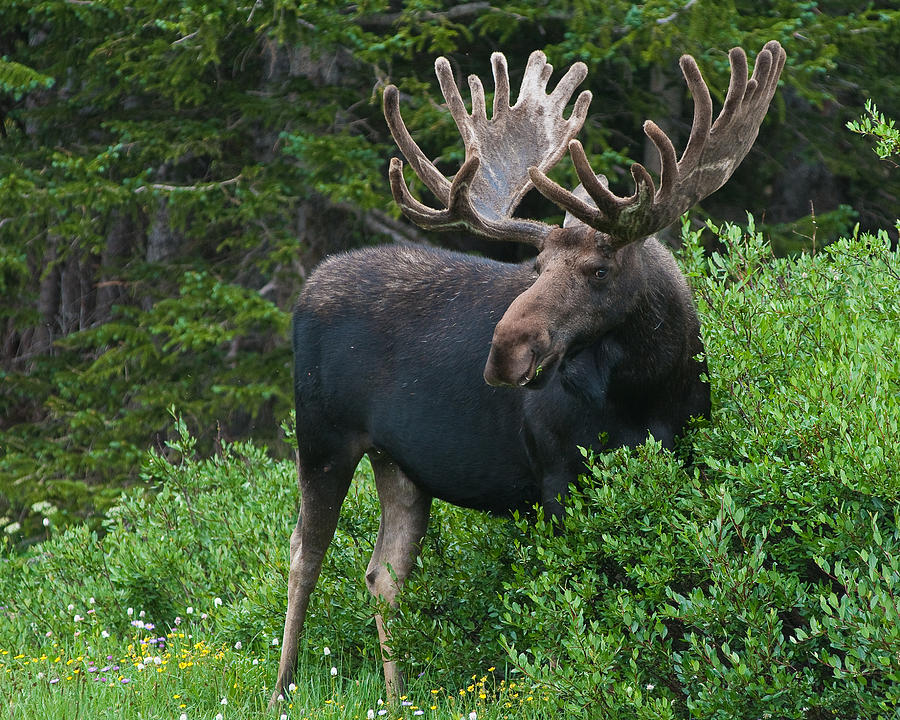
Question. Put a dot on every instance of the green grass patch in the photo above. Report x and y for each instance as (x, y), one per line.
(184, 673)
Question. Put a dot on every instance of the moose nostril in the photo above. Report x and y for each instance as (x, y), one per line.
(530, 358)
(510, 365)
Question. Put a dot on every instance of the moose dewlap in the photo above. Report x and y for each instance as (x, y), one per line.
(474, 381)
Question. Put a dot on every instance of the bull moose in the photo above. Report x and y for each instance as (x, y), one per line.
(475, 381)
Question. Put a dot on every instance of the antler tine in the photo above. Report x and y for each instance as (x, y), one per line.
(499, 151)
(417, 212)
(737, 86)
(765, 88)
(713, 152)
(454, 100)
(703, 108)
(422, 166)
(501, 82)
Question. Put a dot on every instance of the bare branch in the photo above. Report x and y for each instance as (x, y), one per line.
(382, 223)
(674, 15)
(200, 187)
(185, 38)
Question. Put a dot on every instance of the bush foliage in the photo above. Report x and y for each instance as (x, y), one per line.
(761, 578)
(752, 573)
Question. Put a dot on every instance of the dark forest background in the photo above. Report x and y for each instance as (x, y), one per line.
(171, 171)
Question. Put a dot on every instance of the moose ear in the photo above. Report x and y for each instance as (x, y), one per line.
(582, 194)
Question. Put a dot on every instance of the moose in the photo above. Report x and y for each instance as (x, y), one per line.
(475, 381)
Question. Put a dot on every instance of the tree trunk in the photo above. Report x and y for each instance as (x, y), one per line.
(38, 340)
(118, 242)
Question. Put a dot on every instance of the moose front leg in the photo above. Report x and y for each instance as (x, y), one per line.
(404, 519)
(322, 490)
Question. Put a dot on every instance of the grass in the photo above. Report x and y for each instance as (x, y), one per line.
(182, 674)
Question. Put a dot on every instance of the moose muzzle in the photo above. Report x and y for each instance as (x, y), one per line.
(519, 352)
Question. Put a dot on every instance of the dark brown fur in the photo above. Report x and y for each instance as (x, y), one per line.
(390, 348)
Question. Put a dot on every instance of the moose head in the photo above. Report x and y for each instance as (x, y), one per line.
(586, 269)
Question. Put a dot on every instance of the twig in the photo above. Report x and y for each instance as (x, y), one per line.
(185, 38)
(670, 18)
(381, 222)
(189, 188)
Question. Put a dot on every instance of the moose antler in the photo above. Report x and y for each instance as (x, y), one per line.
(500, 152)
(711, 156)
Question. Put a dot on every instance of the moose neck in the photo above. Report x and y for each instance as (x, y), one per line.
(646, 352)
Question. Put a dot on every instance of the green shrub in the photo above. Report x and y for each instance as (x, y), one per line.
(873, 124)
(760, 580)
(449, 620)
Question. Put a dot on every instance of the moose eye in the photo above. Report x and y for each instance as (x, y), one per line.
(600, 272)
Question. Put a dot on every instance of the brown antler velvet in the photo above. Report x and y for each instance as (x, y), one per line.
(713, 152)
(500, 151)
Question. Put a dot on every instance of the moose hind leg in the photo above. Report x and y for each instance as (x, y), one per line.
(404, 519)
(323, 488)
